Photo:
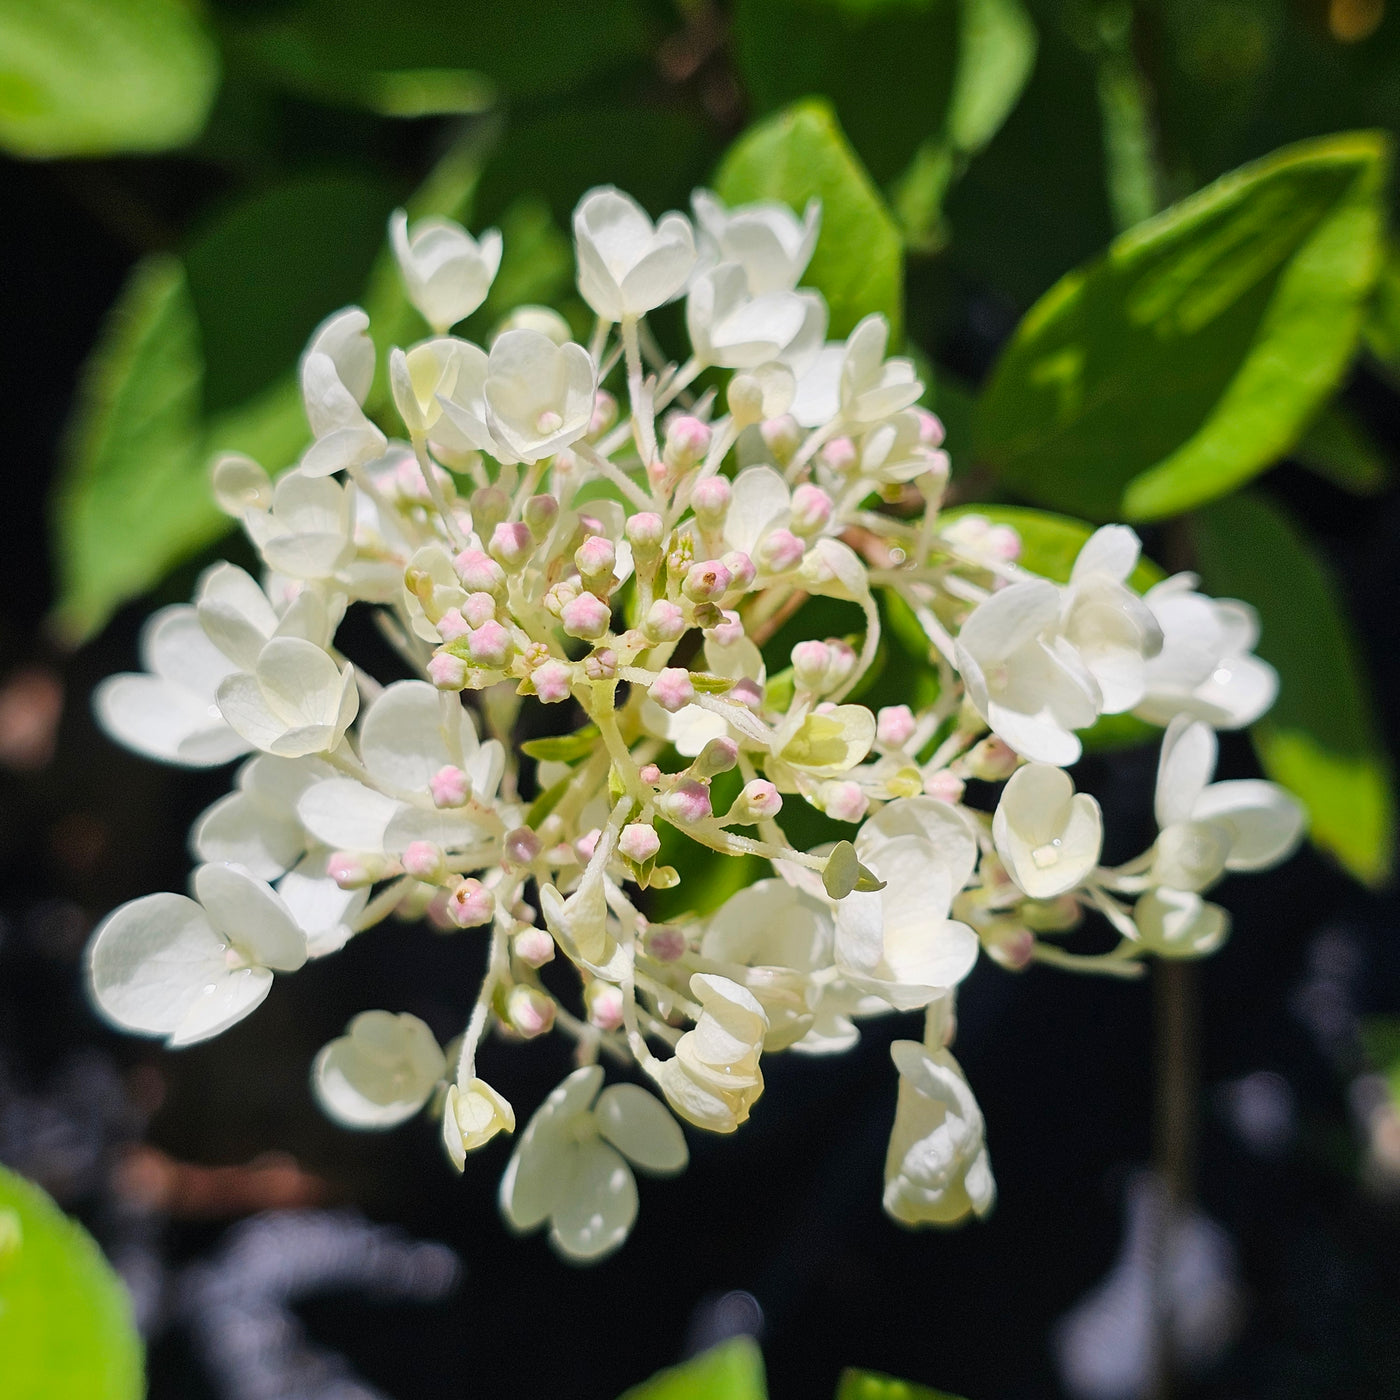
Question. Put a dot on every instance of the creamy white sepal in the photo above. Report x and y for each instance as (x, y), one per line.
(1048, 835)
(446, 271)
(295, 702)
(627, 265)
(380, 1072)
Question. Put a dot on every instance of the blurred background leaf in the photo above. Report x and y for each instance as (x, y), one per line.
(733, 1370)
(871, 1385)
(66, 1328)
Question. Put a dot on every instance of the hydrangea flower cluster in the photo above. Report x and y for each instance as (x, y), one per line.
(521, 543)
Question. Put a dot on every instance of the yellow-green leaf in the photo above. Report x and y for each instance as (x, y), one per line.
(733, 1370)
(871, 1385)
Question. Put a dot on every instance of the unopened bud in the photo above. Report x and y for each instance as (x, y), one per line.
(811, 509)
(490, 645)
(512, 545)
(521, 846)
(710, 501)
(650, 774)
(664, 943)
(447, 672)
(687, 442)
(540, 514)
(686, 804)
(529, 1012)
(747, 692)
(452, 625)
(1008, 943)
(811, 664)
(931, 432)
(844, 801)
(604, 413)
(533, 946)
(843, 662)
(490, 506)
(664, 622)
(638, 842)
(728, 631)
(779, 552)
(354, 872)
(894, 726)
(718, 756)
(603, 1003)
(595, 557)
(706, 581)
(673, 689)
(601, 665)
(745, 399)
(586, 617)
(645, 533)
(783, 436)
(1051, 915)
(945, 786)
(1002, 542)
(992, 760)
(425, 861)
(479, 572)
(478, 609)
(450, 787)
(840, 455)
(741, 569)
(551, 682)
(471, 904)
(759, 801)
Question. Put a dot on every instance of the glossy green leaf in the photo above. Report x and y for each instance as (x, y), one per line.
(859, 263)
(134, 494)
(1382, 328)
(66, 1328)
(1320, 738)
(871, 1385)
(1193, 354)
(733, 1370)
(94, 77)
(1336, 446)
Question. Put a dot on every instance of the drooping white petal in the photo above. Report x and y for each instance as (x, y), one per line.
(235, 614)
(221, 1004)
(1265, 822)
(166, 722)
(1008, 620)
(237, 828)
(251, 916)
(324, 912)
(533, 1182)
(597, 1204)
(639, 1125)
(380, 1073)
(1187, 764)
(346, 815)
(402, 742)
(1180, 924)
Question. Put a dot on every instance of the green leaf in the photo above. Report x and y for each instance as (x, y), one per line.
(1320, 739)
(134, 495)
(871, 1385)
(1381, 331)
(271, 428)
(563, 748)
(733, 1370)
(1193, 354)
(537, 261)
(93, 77)
(859, 263)
(66, 1328)
(1340, 449)
(1380, 1038)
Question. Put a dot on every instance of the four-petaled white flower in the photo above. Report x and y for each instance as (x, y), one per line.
(627, 265)
(307, 534)
(1048, 835)
(570, 1167)
(337, 370)
(447, 272)
(539, 395)
(734, 329)
(295, 701)
(854, 381)
(380, 1072)
(765, 238)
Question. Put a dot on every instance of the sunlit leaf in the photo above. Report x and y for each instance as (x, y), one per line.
(93, 77)
(871, 1385)
(1320, 738)
(1193, 354)
(66, 1329)
(733, 1370)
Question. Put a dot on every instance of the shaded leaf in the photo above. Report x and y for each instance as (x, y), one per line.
(858, 265)
(733, 1370)
(66, 1329)
(93, 77)
(1320, 739)
(1339, 448)
(1193, 354)
(871, 1385)
(563, 748)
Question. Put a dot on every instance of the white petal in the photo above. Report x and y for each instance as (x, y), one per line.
(532, 1184)
(237, 828)
(641, 1127)
(401, 738)
(174, 646)
(943, 825)
(1187, 764)
(597, 1204)
(251, 915)
(760, 500)
(346, 815)
(221, 1004)
(1111, 550)
(1180, 924)
(324, 912)
(302, 685)
(235, 614)
(165, 722)
(1009, 619)
(1265, 822)
(243, 705)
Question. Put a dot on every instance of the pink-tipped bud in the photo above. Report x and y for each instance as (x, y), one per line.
(1008, 943)
(840, 455)
(586, 617)
(646, 532)
(844, 802)
(748, 693)
(664, 622)
(512, 544)
(479, 572)
(425, 861)
(931, 432)
(604, 413)
(551, 682)
(354, 872)
(664, 943)
(758, 801)
(529, 1012)
(471, 904)
(687, 803)
(650, 774)
(741, 569)
(1002, 542)
(687, 442)
(894, 726)
(843, 662)
(811, 666)
(992, 760)
(673, 689)
(540, 513)
(561, 595)
(587, 844)
(601, 665)
(490, 645)
(603, 1003)
(595, 557)
(521, 846)
(479, 609)
(728, 631)
(779, 552)
(638, 842)
(783, 437)
(710, 501)
(490, 505)
(452, 625)
(450, 787)
(447, 672)
(811, 509)
(706, 582)
(718, 756)
(533, 946)
(945, 786)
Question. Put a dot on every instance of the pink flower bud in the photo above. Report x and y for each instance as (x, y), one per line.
(748, 693)
(664, 943)
(894, 726)
(729, 631)
(490, 645)
(645, 533)
(673, 689)
(664, 622)
(706, 581)
(779, 551)
(687, 441)
(601, 665)
(741, 569)
(471, 904)
(587, 844)
(650, 774)
(782, 435)
(687, 803)
(452, 625)
(811, 664)
(1002, 542)
(450, 787)
(533, 946)
(710, 501)
(759, 801)
(1009, 944)
(992, 760)
(638, 842)
(512, 544)
(718, 756)
(811, 509)
(521, 846)
(354, 872)
(551, 682)
(479, 608)
(595, 557)
(603, 1003)
(586, 617)
(425, 861)
(840, 454)
(843, 662)
(479, 572)
(561, 595)
(447, 672)
(540, 514)
(490, 505)
(604, 413)
(945, 786)
(844, 802)
(931, 432)
(529, 1012)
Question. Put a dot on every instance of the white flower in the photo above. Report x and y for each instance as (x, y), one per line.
(1180, 924)
(308, 533)
(1048, 835)
(325, 912)
(169, 966)
(446, 271)
(760, 501)
(570, 1167)
(240, 619)
(337, 369)
(539, 395)
(256, 825)
(170, 713)
(380, 1072)
(1027, 683)
(765, 238)
(855, 381)
(713, 1079)
(734, 329)
(471, 1116)
(426, 375)
(463, 424)
(295, 701)
(626, 265)
(1112, 629)
(896, 451)
(1206, 667)
(936, 1170)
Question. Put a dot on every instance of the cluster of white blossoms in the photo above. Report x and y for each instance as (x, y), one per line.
(523, 542)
